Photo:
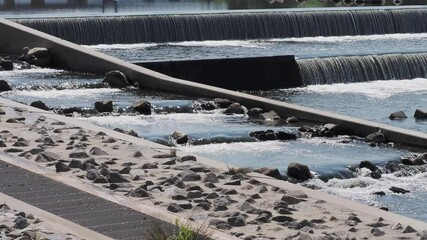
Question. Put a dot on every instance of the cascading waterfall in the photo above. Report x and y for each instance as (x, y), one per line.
(362, 69)
(228, 26)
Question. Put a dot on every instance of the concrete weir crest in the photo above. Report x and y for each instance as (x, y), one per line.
(71, 56)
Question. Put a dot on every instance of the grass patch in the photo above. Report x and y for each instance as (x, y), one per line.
(178, 231)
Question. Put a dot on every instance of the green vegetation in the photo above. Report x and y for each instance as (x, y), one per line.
(165, 231)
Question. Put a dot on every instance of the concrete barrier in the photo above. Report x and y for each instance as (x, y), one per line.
(71, 56)
(235, 73)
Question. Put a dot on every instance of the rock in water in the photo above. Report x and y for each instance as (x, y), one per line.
(4, 86)
(398, 190)
(299, 171)
(369, 165)
(420, 114)
(222, 103)
(377, 137)
(38, 56)
(6, 65)
(234, 108)
(179, 137)
(255, 112)
(397, 115)
(40, 105)
(270, 116)
(105, 106)
(116, 79)
(143, 107)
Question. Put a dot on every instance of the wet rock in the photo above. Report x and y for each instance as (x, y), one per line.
(255, 112)
(104, 106)
(38, 56)
(283, 136)
(271, 172)
(398, 190)
(40, 105)
(61, 167)
(116, 79)
(369, 165)
(376, 137)
(379, 193)
(269, 116)
(236, 221)
(6, 65)
(222, 103)
(142, 107)
(376, 174)
(4, 86)
(420, 114)
(179, 137)
(208, 105)
(234, 108)
(299, 171)
(115, 177)
(397, 115)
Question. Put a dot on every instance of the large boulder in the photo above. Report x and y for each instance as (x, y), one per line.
(40, 105)
(420, 114)
(222, 103)
(235, 108)
(299, 171)
(377, 137)
(397, 115)
(39, 56)
(6, 65)
(179, 137)
(142, 107)
(116, 79)
(105, 106)
(369, 165)
(4, 86)
(255, 112)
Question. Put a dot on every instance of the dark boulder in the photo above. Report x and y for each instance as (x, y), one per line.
(369, 165)
(38, 56)
(286, 136)
(4, 86)
(234, 108)
(142, 107)
(179, 137)
(104, 106)
(115, 177)
(6, 65)
(399, 190)
(116, 79)
(61, 167)
(397, 115)
(420, 114)
(255, 112)
(299, 171)
(376, 137)
(222, 103)
(40, 105)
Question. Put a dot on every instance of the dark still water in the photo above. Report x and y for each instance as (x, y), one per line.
(55, 7)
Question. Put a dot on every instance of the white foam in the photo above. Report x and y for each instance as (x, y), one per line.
(53, 94)
(121, 46)
(374, 89)
(29, 71)
(358, 38)
(224, 43)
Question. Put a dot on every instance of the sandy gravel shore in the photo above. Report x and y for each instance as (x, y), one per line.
(229, 201)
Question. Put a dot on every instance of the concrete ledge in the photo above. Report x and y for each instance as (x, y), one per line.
(256, 73)
(71, 56)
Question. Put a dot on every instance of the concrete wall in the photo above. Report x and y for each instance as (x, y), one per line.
(68, 55)
(235, 73)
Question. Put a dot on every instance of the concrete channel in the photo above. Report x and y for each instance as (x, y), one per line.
(71, 56)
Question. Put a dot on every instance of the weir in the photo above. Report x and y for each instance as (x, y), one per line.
(229, 26)
(362, 68)
(71, 56)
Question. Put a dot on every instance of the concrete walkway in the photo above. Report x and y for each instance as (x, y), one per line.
(91, 212)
